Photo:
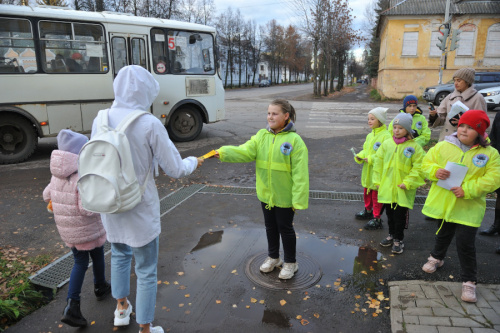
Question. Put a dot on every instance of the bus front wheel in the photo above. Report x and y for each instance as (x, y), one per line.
(18, 139)
(185, 124)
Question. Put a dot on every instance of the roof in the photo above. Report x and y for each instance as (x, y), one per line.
(433, 7)
(108, 17)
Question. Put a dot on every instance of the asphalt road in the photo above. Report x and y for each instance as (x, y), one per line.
(327, 231)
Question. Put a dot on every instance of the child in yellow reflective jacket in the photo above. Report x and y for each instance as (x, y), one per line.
(282, 181)
(397, 174)
(462, 207)
(373, 209)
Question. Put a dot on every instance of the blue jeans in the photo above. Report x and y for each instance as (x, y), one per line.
(80, 266)
(146, 262)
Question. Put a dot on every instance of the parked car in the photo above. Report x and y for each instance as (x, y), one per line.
(492, 97)
(482, 80)
(264, 83)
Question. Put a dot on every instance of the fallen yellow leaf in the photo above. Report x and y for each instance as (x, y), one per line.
(187, 312)
(364, 272)
(380, 297)
(187, 295)
(336, 283)
(159, 282)
(213, 266)
(262, 301)
(316, 315)
(248, 306)
(92, 323)
(363, 310)
(282, 302)
(166, 282)
(181, 305)
(374, 314)
(218, 301)
(299, 317)
(304, 322)
(180, 273)
(233, 271)
(341, 289)
(253, 300)
(357, 297)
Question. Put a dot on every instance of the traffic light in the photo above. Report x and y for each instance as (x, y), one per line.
(454, 39)
(443, 39)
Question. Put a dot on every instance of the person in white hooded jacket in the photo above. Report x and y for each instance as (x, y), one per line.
(136, 232)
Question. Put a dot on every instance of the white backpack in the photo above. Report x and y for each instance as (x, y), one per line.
(108, 183)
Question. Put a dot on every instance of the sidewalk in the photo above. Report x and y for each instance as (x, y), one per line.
(420, 306)
(211, 244)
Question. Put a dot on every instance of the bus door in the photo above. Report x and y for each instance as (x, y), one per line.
(128, 49)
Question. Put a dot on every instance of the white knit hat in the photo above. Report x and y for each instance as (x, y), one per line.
(380, 113)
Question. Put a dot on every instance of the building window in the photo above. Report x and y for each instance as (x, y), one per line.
(493, 41)
(466, 42)
(261, 67)
(410, 43)
(434, 50)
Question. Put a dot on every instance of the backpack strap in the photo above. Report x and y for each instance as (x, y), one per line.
(122, 126)
(102, 119)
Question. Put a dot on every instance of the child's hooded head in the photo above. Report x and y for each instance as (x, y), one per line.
(69, 141)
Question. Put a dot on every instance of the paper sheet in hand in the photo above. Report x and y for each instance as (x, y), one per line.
(456, 108)
(353, 152)
(208, 155)
(457, 175)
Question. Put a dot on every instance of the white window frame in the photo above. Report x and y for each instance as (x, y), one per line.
(434, 51)
(493, 41)
(467, 42)
(410, 44)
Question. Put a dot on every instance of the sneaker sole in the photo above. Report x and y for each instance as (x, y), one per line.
(385, 245)
(397, 252)
(373, 228)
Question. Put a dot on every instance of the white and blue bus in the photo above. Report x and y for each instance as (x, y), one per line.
(57, 68)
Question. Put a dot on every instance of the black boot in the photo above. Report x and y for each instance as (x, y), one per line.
(374, 224)
(72, 315)
(493, 229)
(102, 290)
(364, 215)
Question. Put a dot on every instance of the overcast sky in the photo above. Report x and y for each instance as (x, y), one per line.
(262, 11)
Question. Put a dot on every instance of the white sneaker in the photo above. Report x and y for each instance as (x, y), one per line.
(270, 264)
(288, 270)
(122, 317)
(156, 329)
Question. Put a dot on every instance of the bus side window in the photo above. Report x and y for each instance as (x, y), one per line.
(17, 46)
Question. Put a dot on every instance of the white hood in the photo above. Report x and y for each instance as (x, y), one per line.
(135, 89)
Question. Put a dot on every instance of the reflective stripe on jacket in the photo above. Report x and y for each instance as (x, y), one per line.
(370, 147)
(398, 164)
(420, 125)
(483, 176)
(281, 167)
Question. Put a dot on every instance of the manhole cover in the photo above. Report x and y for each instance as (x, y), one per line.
(308, 275)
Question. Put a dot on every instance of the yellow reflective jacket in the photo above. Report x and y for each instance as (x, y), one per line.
(373, 141)
(281, 166)
(483, 176)
(398, 164)
(420, 125)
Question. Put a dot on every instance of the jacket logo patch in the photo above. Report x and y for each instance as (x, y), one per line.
(418, 125)
(409, 151)
(286, 148)
(376, 146)
(480, 160)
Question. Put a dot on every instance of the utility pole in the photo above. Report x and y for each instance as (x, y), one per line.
(443, 54)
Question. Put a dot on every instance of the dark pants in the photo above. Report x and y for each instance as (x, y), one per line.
(466, 247)
(80, 266)
(279, 222)
(397, 218)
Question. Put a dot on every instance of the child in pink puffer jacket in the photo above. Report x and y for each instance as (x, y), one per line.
(81, 230)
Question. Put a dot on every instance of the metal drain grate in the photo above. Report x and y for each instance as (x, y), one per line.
(57, 273)
(176, 198)
(322, 195)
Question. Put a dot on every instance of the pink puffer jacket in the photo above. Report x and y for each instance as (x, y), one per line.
(78, 228)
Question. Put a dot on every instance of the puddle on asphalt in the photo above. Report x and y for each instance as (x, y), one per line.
(332, 256)
(215, 270)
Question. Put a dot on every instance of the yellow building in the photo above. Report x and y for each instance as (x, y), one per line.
(408, 30)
